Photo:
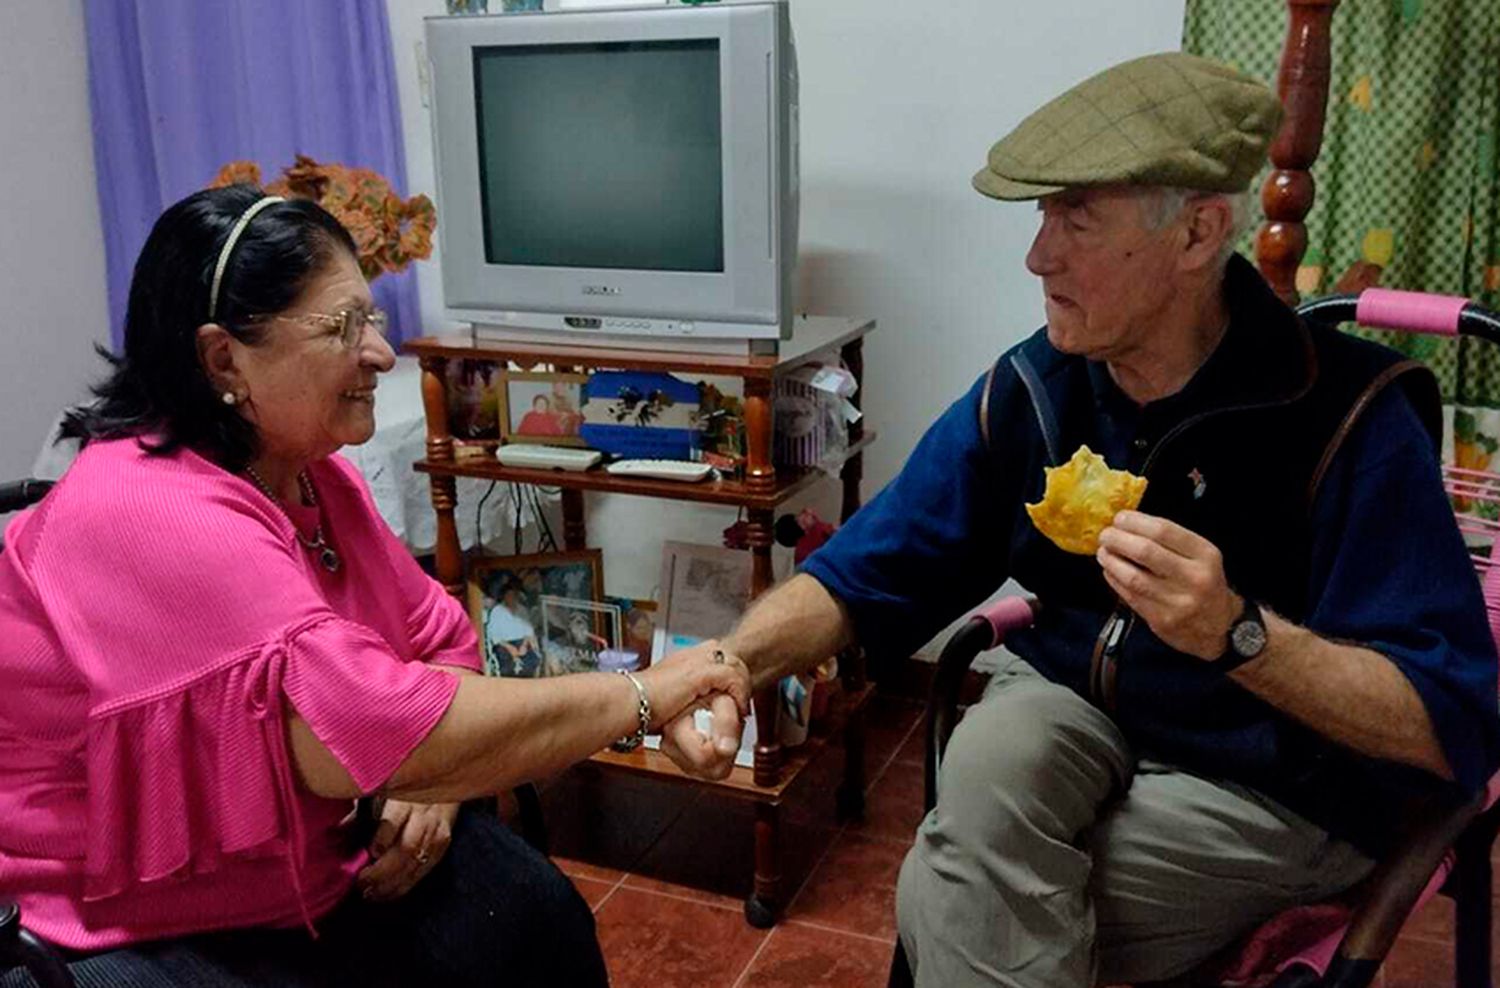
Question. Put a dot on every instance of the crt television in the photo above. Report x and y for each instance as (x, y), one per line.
(624, 173)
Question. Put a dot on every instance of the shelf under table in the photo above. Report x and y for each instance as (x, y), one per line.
(741, 779)
(789, 482)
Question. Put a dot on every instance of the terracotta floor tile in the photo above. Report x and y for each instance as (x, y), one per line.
(593, 892)
(1418, 964)
(853, 887)
(801, 956)
(652, 941)
(893, 807)
(708, 854)
(915, 749)
(574, 868)
(888, 720)
(1434, 921)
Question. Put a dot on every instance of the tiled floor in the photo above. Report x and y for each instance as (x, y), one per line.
(666, 869)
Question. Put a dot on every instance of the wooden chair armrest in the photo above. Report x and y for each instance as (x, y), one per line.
(1389, 894)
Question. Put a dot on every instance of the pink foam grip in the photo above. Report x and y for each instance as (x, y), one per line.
(1412, 312)
(1008, 614)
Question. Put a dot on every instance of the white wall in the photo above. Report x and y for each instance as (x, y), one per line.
(52, 294)
(900, 102)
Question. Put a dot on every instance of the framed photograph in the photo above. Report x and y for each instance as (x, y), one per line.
(574, 632)
(541, 407)
(474, 401)
(505, 604)
(704, 590)
(637, 627)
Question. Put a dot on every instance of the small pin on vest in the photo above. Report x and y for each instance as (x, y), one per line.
(1196, 476)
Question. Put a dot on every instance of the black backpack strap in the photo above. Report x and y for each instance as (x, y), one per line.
(1421, 389)
(1041, 404)
(984, 408)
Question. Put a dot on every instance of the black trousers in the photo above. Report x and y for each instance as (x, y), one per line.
(493, 912)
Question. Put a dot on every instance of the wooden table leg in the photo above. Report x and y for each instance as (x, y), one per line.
(450, 554)
(854, 467)
(763, 908)
(450, 557)
(759, 522)
(760, 471)
(849, 801)
(575, 537)
(850, 798)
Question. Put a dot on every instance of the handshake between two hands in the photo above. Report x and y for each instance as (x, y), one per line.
(706, 676)
(412, 838)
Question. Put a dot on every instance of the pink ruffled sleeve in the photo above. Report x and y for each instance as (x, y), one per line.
(178, 781)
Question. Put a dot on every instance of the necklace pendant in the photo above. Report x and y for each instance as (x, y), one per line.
(329, 559)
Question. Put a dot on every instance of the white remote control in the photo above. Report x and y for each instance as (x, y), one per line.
(661, 469)
(547, 457)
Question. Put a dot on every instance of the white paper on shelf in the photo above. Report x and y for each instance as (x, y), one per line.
(835, 381)
(703, 720)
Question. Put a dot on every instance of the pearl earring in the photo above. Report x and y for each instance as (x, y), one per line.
(230, 398)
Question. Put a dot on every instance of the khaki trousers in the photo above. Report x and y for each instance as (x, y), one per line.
(1056, 859)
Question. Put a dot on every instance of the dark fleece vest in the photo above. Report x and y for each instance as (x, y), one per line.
(1240, 467)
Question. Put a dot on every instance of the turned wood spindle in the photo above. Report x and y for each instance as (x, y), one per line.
(760, 473)
(1287, 196)
(758, 537)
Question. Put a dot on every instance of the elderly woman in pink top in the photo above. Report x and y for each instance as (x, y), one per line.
(212, 644)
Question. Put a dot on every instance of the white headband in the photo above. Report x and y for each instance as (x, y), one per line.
(228, 248)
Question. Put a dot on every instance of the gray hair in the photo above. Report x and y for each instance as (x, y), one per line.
(1161, 204)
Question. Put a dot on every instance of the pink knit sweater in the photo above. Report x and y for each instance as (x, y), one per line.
(157, 616)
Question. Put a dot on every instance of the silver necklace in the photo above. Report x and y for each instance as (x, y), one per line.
(316, 545)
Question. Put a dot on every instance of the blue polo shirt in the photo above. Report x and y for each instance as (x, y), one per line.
(1387, 569)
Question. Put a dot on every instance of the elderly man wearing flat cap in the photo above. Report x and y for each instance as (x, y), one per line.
(1223, 711)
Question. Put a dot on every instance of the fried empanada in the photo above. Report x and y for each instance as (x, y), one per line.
(1081, 499)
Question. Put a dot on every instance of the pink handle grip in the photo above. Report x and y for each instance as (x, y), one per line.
(1412, 312)
(1008, 614)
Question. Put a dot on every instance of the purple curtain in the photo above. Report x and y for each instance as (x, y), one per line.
(179, 88)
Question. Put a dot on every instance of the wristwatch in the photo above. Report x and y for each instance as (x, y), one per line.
(1247, 639)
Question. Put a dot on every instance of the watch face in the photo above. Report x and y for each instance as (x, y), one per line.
(1248, 638)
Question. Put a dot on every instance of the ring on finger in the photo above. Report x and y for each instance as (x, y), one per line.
(422, 856)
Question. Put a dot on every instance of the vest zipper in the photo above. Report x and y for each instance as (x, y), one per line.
(1105, 667)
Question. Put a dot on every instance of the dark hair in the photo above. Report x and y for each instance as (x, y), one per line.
(157, 390)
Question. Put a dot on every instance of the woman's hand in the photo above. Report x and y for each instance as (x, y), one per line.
(701, 676)
(409, 841)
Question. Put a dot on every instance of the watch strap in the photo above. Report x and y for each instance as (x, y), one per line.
(1232, 658)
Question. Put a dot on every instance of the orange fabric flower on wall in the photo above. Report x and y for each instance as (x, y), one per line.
(389, 232)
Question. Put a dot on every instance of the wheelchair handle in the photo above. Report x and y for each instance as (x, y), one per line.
(1418, 312)
(22, 493)
(1407, 312)
(1006, 615)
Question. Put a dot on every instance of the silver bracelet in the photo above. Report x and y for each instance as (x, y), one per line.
(643, 712)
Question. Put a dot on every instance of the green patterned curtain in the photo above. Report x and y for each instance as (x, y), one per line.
(1408, 193)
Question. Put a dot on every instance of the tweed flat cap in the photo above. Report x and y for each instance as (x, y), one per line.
(1166, 119)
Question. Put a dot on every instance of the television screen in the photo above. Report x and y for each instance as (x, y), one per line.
(603, 155)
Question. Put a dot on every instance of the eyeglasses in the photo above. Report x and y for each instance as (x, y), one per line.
(349, 324)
